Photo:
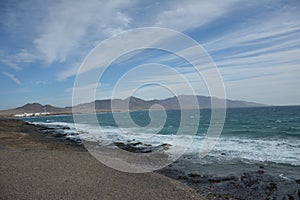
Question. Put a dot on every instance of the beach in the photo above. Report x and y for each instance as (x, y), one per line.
(35, 165)
(44, 157)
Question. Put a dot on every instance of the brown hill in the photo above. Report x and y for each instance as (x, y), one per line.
(134, 104)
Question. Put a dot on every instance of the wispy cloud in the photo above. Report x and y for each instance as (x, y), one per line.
(15, 60)
(69, 24)
(280, 25)
(10, 64)
(24, 57)
(255, 44)
(12, 77)
(63, 75)
(83, 93)
(192, 13)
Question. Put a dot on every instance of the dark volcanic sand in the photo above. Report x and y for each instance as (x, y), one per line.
(35, 165)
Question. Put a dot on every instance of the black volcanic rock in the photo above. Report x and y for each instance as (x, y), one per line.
(139, 147)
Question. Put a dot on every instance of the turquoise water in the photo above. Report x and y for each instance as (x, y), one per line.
(268, 134)
(266, 122)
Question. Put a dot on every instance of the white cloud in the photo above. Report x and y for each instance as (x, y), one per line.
(10, 64)
(69, 22)
(12, 77)
(261, 47)
(24, 56)
(13, 61)
(84, 88)
(276, 27)
(114, 47)
(192, 14)
(68, 72)
(83, 93)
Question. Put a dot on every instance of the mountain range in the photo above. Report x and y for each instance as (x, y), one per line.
(134, 103)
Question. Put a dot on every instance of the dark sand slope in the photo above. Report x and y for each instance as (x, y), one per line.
(38, 166)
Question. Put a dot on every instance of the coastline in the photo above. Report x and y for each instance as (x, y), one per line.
(38, 165)
(217, 181)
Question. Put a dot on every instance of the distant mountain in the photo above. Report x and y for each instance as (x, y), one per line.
(134, 103)
(186, 101)
(35, 108)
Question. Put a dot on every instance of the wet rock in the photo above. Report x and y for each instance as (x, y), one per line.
(290, 197)
(48, 132)
(166, 146)
(183, 177)
(260, 171)
(136, 143)
(272, 186)
(31, 124)
(195, 181)
(74, 139)
(221, 179)
(249, 179)
(258, 185)
(194, 175)
(139, 147)
(65, 128)
(59, 134)
(46, 129)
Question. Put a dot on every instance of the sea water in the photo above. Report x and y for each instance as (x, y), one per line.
(250, 135)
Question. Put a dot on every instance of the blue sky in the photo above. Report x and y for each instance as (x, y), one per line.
(255, 45)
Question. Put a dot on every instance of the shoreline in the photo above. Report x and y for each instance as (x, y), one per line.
(239, 181)
(38, 165)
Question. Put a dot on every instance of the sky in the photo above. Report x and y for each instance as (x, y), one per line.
(254, 44)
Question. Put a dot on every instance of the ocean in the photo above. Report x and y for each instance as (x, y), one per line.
(251, 136)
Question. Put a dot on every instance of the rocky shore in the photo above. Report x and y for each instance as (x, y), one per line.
(254, 184)
(39, 163)
(17, 134)
(246, 181)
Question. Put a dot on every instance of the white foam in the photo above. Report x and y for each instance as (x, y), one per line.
(278, 151)
(285, 151)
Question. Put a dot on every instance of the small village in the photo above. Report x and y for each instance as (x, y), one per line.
(32, 114)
